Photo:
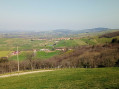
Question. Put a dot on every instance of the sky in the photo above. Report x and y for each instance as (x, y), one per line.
(41, 15)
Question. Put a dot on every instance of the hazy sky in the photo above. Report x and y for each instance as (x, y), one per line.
(58, 14)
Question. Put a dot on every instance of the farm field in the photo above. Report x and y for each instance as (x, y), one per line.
(70, 43)
(39, 55)
(79, 78)
(23, 43)
(45, 55)
(8, 45)
(84, 41)
(4, 53)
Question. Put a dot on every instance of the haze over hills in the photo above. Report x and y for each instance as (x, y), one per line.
(94, 30)
(66, 31)
(52, 33)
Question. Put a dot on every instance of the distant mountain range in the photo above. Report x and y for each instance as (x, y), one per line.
(94, 30)
(62, 30)
(53, 33)
(67, 31)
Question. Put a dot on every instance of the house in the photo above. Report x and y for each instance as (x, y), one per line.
(63, 38)
(60, 49)
(34, 50)
(41, 39)
(45, 50)
(15, 52)
(38, 39)
(56, 41)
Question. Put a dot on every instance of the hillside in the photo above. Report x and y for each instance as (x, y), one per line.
(80, 78)
(50, 34)
(109, 35)
(90, 51)
(94, 30)
(80, 64)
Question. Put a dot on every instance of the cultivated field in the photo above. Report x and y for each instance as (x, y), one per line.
(4, 53)
(39, 54)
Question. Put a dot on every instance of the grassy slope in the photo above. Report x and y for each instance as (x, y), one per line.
(70, 43)
(97, 78)
(24, 44)
(104, 40)
(39, 54)
(22, 56)
(93, 40)
(88, 41)
(4, 53)
(45, 55)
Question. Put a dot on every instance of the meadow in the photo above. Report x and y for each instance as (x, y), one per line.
(39, 54)
(4, 53)
(23, 43)
(73, 78)
(46, 55)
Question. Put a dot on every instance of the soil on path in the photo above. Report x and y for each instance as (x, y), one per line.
(17, 74)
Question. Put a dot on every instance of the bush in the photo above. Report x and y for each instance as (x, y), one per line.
(3, 59)
(114, 40)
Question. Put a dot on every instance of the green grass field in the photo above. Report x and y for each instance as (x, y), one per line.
(104, 40)
(79, 78)
(4, 53)
(24, 44)
(22, 56)
(45, 55)
(70, 43)
(39, 54)
(88, 41)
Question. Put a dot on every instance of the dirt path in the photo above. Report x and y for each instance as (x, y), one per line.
(17, 74)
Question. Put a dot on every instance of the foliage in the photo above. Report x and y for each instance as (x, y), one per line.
(115, 40)
(109, 35)
(3, 59)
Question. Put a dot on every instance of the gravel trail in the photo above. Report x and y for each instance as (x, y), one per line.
(17, 74)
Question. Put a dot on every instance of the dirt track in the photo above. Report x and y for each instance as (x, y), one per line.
(17, 74)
